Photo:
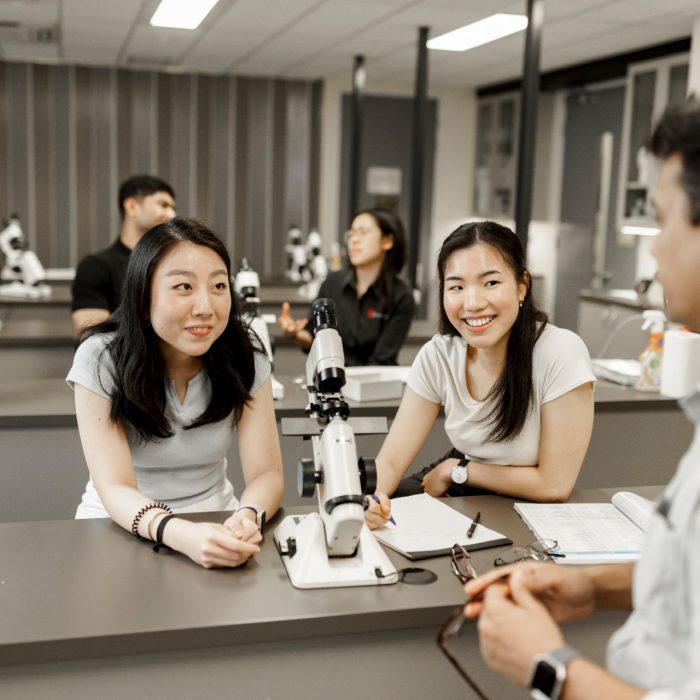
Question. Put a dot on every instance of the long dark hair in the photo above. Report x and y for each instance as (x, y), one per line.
(389, 224)
(139, 369)
(512, 395)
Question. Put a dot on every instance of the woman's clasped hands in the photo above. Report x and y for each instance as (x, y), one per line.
(213, 545)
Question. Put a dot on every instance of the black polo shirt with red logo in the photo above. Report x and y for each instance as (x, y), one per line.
(373, 328)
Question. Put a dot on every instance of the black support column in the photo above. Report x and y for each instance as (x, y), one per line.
(419, 122)
(528, 119)
(356, 118)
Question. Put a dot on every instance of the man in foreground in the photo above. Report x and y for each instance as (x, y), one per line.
(656, 654)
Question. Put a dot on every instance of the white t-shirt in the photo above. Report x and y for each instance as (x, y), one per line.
(560, 363)
(187, 470)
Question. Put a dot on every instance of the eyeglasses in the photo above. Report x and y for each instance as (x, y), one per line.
(451, 629)
(540, 551)
(461, 563)
(361, 232)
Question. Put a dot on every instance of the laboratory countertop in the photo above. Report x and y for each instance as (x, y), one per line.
(60, 296)
(80, 589)
(49, 402)
(621, 297)
(36, 332)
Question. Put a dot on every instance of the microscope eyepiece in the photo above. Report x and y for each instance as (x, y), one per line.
(323, 312)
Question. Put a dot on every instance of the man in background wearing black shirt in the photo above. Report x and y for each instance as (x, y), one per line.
(144, 202)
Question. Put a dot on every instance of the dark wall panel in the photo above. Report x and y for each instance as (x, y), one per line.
(43, 190)
(20, 145)
(62, 234)
(241, 153)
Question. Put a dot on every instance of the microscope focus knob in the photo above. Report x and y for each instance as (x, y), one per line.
(306, 477)
(368, 475)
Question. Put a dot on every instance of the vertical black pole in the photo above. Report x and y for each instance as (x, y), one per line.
(420, 105)
(356, 115)
(528, 119)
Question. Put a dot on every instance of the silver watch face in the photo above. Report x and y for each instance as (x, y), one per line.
(459, 474)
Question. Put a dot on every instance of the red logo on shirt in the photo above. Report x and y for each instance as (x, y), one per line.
(373, 313)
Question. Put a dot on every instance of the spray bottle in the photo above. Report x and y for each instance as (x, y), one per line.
(650, 359)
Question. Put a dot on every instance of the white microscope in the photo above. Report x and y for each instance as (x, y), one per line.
(314, 254)
(334, 547)
(297, 268)
(247, 284)
(316, 265)
(21, 264)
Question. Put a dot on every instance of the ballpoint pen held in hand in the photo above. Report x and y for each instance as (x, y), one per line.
(391, 517)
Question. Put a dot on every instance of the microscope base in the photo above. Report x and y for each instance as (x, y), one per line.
(23, 291)
(310, 566)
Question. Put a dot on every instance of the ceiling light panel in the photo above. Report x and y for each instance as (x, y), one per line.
(478, 33)
(181, 14)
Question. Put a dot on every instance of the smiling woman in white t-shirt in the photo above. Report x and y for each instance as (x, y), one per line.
(517, 391)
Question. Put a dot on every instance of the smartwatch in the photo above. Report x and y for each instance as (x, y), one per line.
(460, 473)
(259, 514)
(549, 673)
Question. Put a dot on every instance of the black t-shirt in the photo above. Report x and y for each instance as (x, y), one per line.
(372, 328)
(99, 278)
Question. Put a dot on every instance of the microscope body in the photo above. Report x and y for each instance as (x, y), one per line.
(333, 547)
(339, 491)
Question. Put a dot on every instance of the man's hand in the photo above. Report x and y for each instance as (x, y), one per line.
(568, 593)
(513, 627)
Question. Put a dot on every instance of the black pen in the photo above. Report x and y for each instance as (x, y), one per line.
(472, 527)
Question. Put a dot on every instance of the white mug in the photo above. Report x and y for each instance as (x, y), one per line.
(680, 369)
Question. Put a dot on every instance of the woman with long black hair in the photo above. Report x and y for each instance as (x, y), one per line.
(374, 307)
(517, 391)
(160, 389)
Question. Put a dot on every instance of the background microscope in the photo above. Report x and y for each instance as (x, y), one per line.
(247, 284)
(297, 263)
(21, 265)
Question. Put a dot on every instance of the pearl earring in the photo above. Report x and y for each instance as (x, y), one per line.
(521, 303)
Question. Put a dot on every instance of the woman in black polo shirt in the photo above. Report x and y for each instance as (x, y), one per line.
(374, 308)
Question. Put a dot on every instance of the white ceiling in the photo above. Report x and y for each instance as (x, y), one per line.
(318, 38)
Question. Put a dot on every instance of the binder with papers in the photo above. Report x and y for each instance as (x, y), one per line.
(591, 533)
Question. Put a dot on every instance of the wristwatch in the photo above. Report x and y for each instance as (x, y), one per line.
(259, 514)
(459, 472)
(549, 673)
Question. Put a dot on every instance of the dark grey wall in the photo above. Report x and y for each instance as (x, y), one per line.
(241, 153)
(588, 116)
(387, 141)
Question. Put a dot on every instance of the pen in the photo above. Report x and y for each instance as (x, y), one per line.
(472, 527)
(391, 517)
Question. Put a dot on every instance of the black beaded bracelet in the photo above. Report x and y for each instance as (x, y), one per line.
(142, 512)
(159, 532)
